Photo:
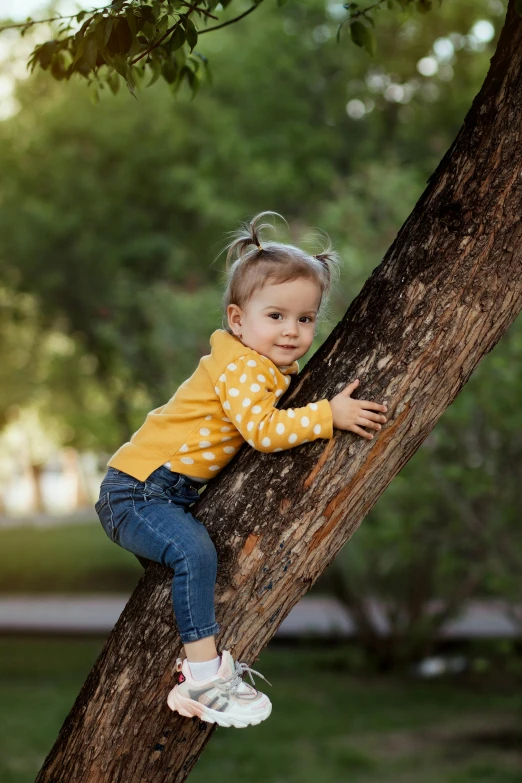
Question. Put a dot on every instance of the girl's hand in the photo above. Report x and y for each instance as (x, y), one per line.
(352, 415)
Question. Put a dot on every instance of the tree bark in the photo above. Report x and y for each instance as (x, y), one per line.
(446, 291)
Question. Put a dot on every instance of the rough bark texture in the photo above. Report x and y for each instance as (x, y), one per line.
(446, 291)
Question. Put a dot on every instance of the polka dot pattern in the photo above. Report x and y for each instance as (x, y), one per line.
(240, 405)
(248, 390)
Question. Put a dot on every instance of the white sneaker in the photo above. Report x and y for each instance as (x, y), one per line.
(224, 699)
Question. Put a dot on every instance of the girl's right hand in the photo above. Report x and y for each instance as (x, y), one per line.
(352, 415)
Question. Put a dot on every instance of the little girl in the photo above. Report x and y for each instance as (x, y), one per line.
(272, 301)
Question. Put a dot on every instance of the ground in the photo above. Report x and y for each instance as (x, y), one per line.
(327, 725)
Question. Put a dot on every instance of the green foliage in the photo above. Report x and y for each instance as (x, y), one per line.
(141, 41)
(111, 221)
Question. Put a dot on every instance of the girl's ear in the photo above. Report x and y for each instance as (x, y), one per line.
(234, 318)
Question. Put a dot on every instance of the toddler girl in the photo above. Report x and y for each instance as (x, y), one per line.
(272, 301)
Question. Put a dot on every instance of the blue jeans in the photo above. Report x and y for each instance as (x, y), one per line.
(151, 519)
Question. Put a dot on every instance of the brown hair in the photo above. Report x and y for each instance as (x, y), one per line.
(250, 268)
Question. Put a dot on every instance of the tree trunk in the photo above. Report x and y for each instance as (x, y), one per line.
(446, 291)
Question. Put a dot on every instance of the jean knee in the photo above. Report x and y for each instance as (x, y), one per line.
(203, 556)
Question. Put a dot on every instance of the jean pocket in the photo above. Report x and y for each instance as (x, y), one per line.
(105, 515)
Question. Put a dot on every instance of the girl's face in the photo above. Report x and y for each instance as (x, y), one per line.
(279, 320)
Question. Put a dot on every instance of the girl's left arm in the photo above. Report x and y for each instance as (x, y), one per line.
(248, 393)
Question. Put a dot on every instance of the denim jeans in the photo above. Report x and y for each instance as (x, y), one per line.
(151, 519)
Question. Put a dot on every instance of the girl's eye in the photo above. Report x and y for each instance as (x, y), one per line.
(306, 317)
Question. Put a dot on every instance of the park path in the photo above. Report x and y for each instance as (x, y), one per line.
(313, 615)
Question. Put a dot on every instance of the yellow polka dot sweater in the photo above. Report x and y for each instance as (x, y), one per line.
(229, 399)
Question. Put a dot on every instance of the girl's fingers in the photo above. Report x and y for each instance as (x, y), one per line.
(372, 406)
(373, 416)
(351, 386)
(359, 431)
(367, 423)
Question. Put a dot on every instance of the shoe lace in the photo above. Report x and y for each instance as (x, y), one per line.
(241, 669)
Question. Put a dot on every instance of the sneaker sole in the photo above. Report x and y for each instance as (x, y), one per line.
(193, 709)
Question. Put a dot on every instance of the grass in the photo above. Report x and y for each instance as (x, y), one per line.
(64, 559)
(326, 725)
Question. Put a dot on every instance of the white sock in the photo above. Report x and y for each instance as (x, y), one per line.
(202, 670)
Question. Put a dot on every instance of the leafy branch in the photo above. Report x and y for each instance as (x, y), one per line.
(143, 40)
(361, 20)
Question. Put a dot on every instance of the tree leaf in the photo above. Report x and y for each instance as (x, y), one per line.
(170, 70)
(162, 25)
(93, 93)
(518, 7)
(424, 6)
(46, 53)
(113, 80)
(192, 33)
(155, 67)
(131, 20)
(90, 50)
(79, 53)
(177, 39)
(148, 14)
(125, 37)
(103, 31)
(363, 36)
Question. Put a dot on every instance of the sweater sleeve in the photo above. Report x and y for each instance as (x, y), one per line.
(248, 393)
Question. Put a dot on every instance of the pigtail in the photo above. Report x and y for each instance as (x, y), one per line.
(331, 263)
(248, 234)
